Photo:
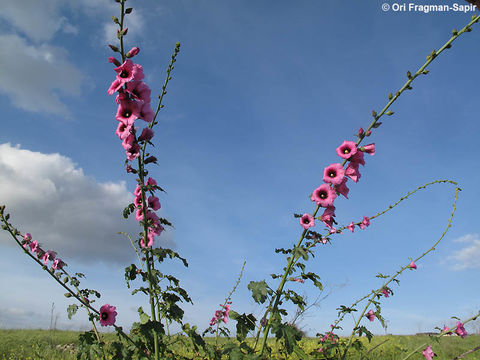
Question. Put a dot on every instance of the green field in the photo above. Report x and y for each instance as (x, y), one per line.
(60, 345)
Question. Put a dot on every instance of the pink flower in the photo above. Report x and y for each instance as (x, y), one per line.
(127, 112)
(146, 135)
(428, 353)
(352, 171)
(347, 149)
(369, 149)
(351, 226)
(114, 61)
(358, 158)
(446, 330)
(213, 321)
(360, 132)
(225, 313)
(146, 112)
(58, 264)
(107, 315)
(460, 330)
(151, 182)
(307, 221)
(133, 152)
(114, 86)
(123, 130)
(342, 188)
(129, 71)
(365, 222)
(139, 91)
(154, 203)
(27, 237)
(371, 315)
(412, 265)
(133, 51)
(33, 246)
(324, 195)
(298, 280)
(334, 174)
(327, 216)
(386, 292)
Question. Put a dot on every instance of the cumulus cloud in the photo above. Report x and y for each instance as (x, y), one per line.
(65, 210)
(34, 76)
(467, 257)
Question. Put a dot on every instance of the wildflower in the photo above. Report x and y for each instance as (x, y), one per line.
(107, 315)
(146, 135)
(347, 149)
(154, 203)
(412, 265)
(460, 330)
(370, 315)
(127, 112)
(58, 264)
(307, 221)
(213, 321)
(352, 171)
(369, 149)
(151, 182)
(386, 292)
(27, 237)
(129, 71)
(334, 174)
(351, 226)
(139, 91)
(358, 158)
(124, 130)
(342, 188)
(365, 222)
(225, 313)
(327, 217)
(33, 246)
(446, 330)
(114, 86)
(324, 195)
(146, 112)
(133, 152)
(428, 353)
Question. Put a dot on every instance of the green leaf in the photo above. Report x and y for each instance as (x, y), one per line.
(259, 291)
(144, 318)
(130, 274)
(72, 310)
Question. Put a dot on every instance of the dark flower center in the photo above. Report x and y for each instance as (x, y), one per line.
(124, 74)
(127, 113)
(306, 221)
(332, 173)
(346, 151)
(322, 194)
(104, 316)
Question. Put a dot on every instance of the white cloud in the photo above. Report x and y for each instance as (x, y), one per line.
(34, 76)
(467, 257)
(65, 210)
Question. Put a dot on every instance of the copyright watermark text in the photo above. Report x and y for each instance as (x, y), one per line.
(413, 7)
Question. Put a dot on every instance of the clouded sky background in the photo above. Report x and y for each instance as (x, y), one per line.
(262, 94)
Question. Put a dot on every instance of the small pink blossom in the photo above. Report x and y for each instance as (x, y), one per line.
(352, 171)
(412, 265)
(129, 71)
(460, 330)
(446, 330)
(107, 315)
(351, 226)
(347, 149)
(327, 217)
(132, 52)
(342, 188)
(307, 221)
(360, 132)
(371, 315)
(358, 158)
(225, 313)
(139, 91)
(146, 113)
(154, 203)
(369, 149)
(27, 237)
(133, 152)
(365, 222)
(114, 86)
(127, 112)
(151, 182)
(123, 130)
(334, 174)
(33, 246)
(58, 264)
(324, 195)
(428, 353)
(298, 280)
(146, 135)
(386, 292)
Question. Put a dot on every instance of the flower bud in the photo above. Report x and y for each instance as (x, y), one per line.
(113, 47)
(151, 159)
(114, 61)
(133, 51)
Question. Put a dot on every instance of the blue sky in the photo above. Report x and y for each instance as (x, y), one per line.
(262, 94)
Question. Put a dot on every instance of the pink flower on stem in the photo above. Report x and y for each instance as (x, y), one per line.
(146, 113)
(107, 315)
(151, 182)
(352, 171)
(347, 149)
(386, 292)
(428, 353)
(298, 280)
(412, 265)
(365, 222)
(33, 246)
(132, 52)
(127, 112)
(114, 61)
(324, 195)
(351, 226)
(154, 203)
(371, 315)
(369, 149)
(133, 152)
(213, 321)
(146, 135)
(307, 221)
(114, 86)
(225, 313)
(27, 237)
(358, 158)
(360, 132)
(342, 188)
(327, 216)
(58, 264)
(334, 174)
(123, 130)
(460, 330)
(129, 71)
(139, 91)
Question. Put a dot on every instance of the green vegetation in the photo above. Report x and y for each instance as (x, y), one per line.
(60, 345)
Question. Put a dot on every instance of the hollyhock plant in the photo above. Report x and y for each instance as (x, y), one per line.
(107, 315)
(352, 171)
(127, 112)
(334, 174)
(358, 158)
(154, 203)
(342, 188)
(347, 149)
(351, 227)
(327, 216)
(58, 264)
(386, 292)
(307, 221)
(365, 222)
(129, 71)
(33, 246)
(139, 91)
(460, 330)
(324, 195)
(371, 315)
(146, 113)
(124, 130)
(412, 265)
(428, 353)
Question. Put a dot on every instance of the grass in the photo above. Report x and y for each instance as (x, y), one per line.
(55, 345)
